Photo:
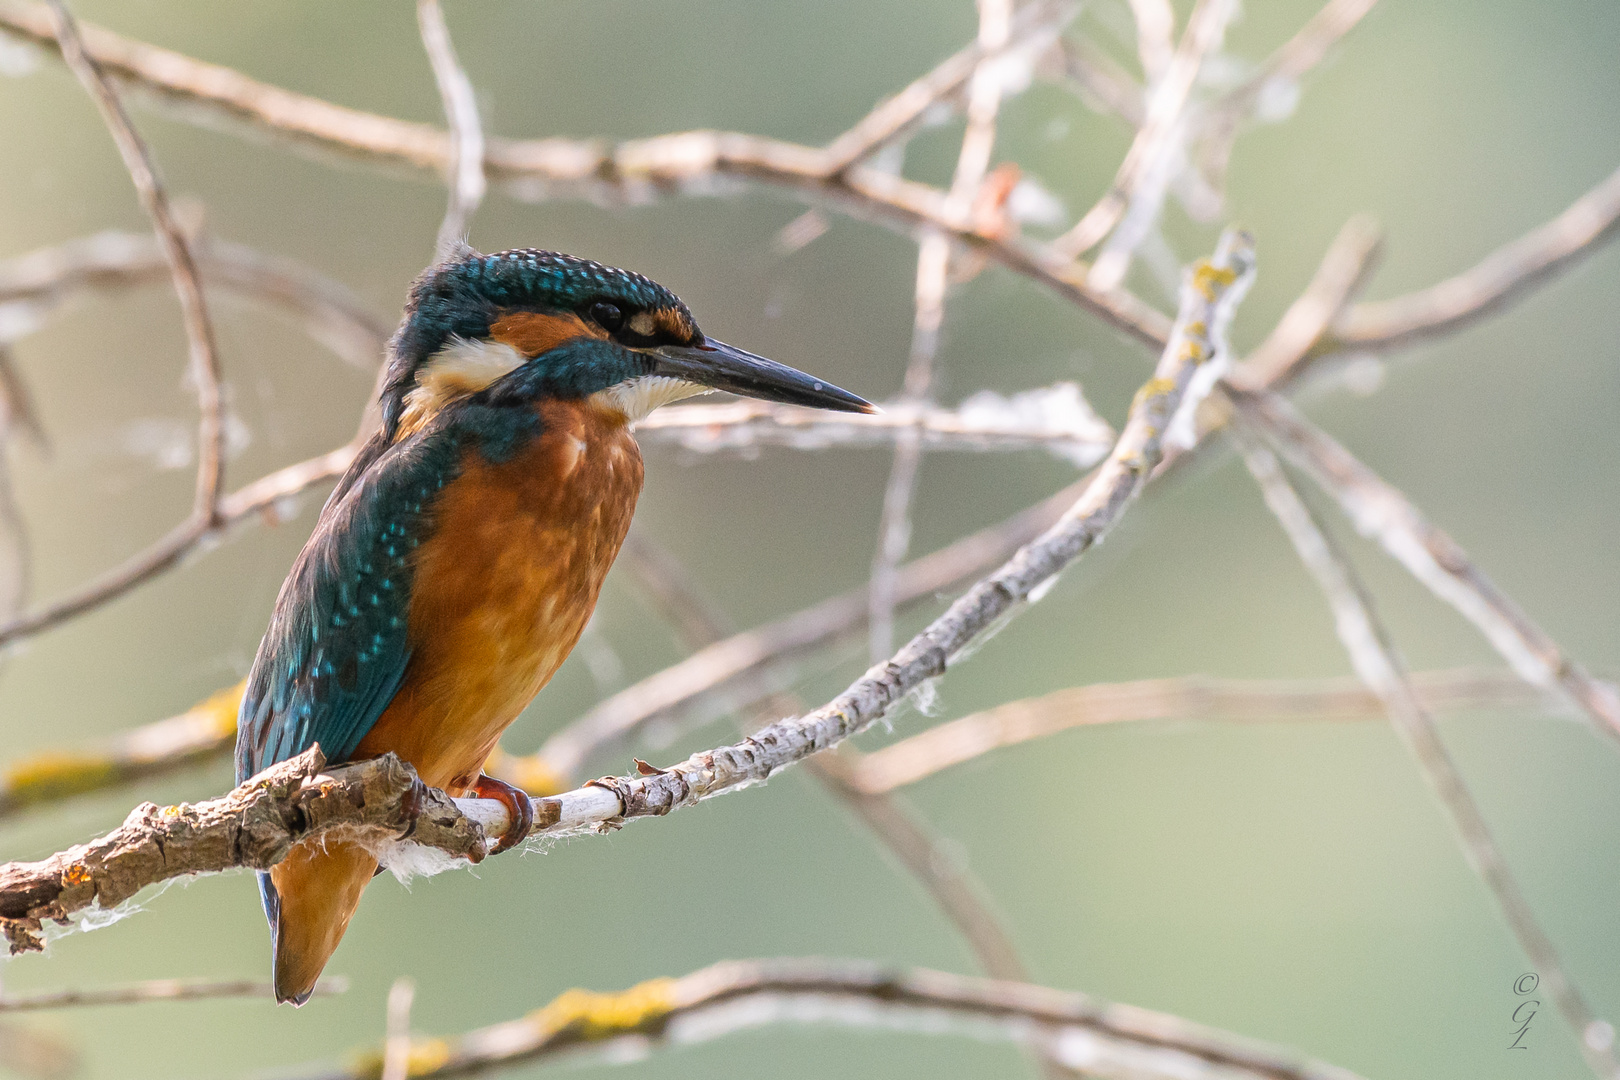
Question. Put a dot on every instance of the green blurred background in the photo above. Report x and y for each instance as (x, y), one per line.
(1293, 883)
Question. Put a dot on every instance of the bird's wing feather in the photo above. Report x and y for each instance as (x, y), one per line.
(337, 649)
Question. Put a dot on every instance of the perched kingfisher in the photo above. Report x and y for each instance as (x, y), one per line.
(456, 563)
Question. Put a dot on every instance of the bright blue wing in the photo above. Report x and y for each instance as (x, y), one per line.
(337, 650)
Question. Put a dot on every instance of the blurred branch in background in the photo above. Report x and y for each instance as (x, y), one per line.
(1382, 513)
(1186, 699)
(1099, 1039)
(204, 368)
(951, 885)
(155, 990)
(466, 150)
(1372, 654)
(985, 90)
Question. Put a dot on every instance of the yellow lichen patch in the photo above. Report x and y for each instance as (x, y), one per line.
(54, 774)
(426, 1056)
(592, 1017)
(221, 708)
(1193, 352)
(529, 772)
(1208, 280)
(1151, 389)
(76, 874)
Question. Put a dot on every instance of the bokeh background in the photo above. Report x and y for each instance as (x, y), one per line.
(1294, 883)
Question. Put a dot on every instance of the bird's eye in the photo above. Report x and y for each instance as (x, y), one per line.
(608, 316)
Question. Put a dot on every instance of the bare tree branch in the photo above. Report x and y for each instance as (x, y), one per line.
(1377, 664)
(1280, 71)
(1382, 513)
(1495, 282)
(204, 370)
(1057, 419)
(1102, 83)
(1188, 698)
(933, 269)
(1101, 1039)
(466, 153)
(1344, 270)
(141, 993)
(333, 315)
(253, 826)
(633, 169)
(204, 367)
(1143, 177)
(894, 118)
(959, 895)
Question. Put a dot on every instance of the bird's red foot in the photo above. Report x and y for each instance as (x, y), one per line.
(519, 809)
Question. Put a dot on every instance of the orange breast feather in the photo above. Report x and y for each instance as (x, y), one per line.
(505, 586)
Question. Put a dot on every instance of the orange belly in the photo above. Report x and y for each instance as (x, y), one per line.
(505, 586)
(499, 596)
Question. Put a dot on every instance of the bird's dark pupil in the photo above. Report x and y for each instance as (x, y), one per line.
(607, 316)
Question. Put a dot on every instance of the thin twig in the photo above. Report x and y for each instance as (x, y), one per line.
(1495, 282)
(1184, 699)
(1102, 83)
(17, 417)
(1057, 419)
(1281, 70)
(933, 270)
(1143, 177)
(895, 117)
(466, 181)
(1155, 37)
(204, 369)
(1098, 1038)
(141, 993)
(1343, 271)
(1380, 512)
(41, 280)
(1377, 664)
(679, 598)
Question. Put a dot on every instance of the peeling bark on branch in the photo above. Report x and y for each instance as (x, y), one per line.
(253, 826)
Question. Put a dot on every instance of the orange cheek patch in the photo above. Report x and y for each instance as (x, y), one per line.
(674, 324)
(532, 333)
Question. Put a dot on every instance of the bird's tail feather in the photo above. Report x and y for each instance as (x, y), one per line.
(310, 896)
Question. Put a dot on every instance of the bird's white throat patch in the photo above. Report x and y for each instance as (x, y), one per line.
(635, 398)
(463, 367)
(459, 369)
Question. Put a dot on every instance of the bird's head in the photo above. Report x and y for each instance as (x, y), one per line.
(524, 325)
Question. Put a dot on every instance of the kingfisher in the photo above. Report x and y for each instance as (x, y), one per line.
(458, 559)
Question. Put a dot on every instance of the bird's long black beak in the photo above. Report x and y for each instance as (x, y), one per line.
(716, 364)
